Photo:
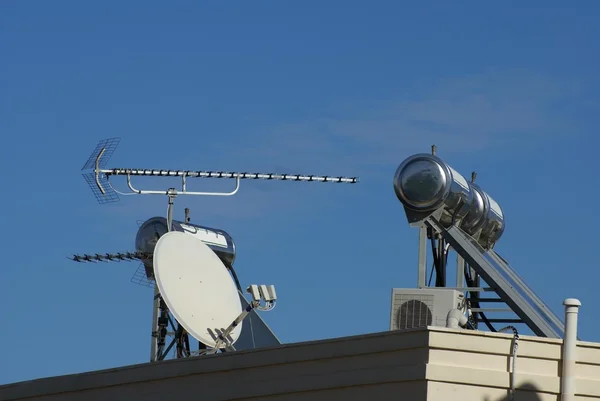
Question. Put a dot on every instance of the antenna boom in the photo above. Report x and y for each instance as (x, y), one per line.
(112, 257)
(98, 178)
(223, 174)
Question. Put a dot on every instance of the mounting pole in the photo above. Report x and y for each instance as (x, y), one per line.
(433, 149)
(422, 261)
(474, 274)
(155, 311)
(187, 214)
(460, 271)
(172, 194)
(160, 311)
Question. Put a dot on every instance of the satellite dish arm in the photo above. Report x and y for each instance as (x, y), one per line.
(258, 292)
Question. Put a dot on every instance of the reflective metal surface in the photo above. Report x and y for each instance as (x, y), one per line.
(519, 285)
(152, 229)
(421, 184)
(424, 183)
(505, 282)
(493, 226)
(478, 211)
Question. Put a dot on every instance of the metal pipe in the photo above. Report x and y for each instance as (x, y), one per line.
(154, 338)
(422, 261)
(222, 338)
(569, 349)
(514, 358)
(183, 191)
(456, 319)
(170, 213)
(460, 269)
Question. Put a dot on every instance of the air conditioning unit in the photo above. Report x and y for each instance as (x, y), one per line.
(420, 307)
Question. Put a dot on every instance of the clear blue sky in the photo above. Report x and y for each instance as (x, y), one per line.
(337, 88)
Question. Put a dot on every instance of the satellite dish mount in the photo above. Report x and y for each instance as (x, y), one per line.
(266, 293)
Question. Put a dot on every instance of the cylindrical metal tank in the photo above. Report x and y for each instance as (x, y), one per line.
(478, 211)
(424, 183)
(152, 229)
(486, 215)
(494, 224)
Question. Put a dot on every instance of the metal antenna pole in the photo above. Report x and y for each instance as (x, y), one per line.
(155, 310)
(172, 194)
(159, 307)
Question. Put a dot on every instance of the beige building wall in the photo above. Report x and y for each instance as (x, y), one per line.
(421, 364)
(476, 365)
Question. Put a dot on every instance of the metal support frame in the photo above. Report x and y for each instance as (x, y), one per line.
(486, 265)
(258, 293)
(154, 332)
(504, 280)
(422, 262)
(460, 270)
(222, 337)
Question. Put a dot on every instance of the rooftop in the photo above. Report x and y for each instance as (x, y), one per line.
(430, 363)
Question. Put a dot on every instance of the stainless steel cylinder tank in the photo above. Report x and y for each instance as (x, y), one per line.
(493, 227)
(152, 229)
(425, 183)
(478, 211)
(485, 219)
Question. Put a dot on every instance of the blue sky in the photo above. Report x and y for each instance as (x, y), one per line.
(336, 88)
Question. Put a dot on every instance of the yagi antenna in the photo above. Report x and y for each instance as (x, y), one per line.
(111, 257)
(104, 192)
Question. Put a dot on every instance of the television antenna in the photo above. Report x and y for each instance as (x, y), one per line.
(98, 176)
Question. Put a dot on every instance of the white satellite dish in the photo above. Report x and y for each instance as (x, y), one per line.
(196, 286)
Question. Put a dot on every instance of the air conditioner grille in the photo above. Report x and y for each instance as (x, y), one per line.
(414, 311)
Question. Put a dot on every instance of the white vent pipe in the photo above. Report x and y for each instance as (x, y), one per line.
(569, 349)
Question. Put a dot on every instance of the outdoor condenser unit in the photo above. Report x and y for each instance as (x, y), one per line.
(420, 307)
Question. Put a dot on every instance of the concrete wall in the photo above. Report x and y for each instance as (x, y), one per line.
(434, 364)
(474, 365)
(379, 366)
